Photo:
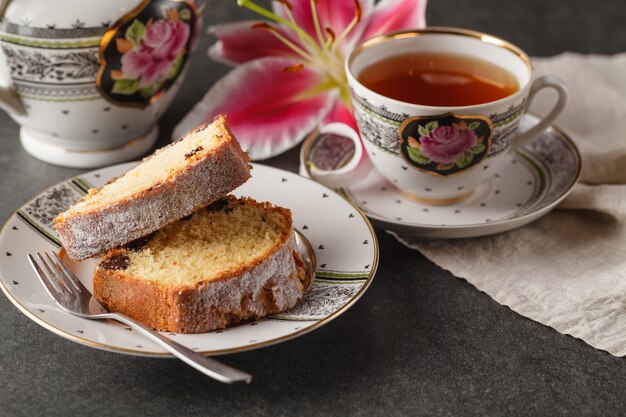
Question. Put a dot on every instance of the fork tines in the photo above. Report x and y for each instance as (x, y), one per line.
(54, 274)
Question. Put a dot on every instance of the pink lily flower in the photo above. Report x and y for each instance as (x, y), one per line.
(289, 76)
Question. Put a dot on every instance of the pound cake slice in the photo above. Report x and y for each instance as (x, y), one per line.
(176, 180)
(231, 261)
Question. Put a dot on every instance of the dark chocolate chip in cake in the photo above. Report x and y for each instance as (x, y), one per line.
(116, 262)
(218, 205)
(138, 244)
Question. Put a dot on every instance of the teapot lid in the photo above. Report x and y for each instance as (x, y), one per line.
(68, 14)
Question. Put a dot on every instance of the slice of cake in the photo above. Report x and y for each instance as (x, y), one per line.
(176, 180)
(231, 261)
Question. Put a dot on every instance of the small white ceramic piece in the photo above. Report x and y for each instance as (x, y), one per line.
(441, 154)
(344, 243)
(88, 81)
(357, 166)
(528, 184)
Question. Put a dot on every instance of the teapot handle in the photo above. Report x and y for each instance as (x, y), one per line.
(9, 99)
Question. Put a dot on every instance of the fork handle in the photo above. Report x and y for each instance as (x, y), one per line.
(204, 364)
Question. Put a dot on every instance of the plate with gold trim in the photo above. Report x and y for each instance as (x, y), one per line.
(530, 183)
(341, 238)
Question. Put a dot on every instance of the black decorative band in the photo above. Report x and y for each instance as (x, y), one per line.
(51, 32)
(379, 110)
(496, 118)
(28, 64)
(57, 91)
(513, 111)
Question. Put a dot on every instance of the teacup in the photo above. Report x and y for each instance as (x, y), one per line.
(440, 154)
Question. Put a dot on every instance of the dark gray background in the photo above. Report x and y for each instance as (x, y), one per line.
(420, 342)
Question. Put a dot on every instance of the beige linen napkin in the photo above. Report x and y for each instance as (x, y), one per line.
(568, 269)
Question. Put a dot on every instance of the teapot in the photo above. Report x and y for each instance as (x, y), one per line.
(88, 80)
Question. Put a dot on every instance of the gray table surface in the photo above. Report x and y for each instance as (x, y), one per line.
(420, 341)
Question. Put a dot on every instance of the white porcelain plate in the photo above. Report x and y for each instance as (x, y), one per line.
(345, 247)
(530, 183)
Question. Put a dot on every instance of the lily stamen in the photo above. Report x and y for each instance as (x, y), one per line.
(294, 68)
(284, 3)
(316, 22)
(331, 37)
(272, 16)
(289, 12)
(266, 26)
(357, 18)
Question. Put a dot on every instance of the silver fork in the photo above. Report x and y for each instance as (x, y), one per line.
(72, 296)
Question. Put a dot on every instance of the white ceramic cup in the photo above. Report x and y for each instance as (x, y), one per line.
(439, 155)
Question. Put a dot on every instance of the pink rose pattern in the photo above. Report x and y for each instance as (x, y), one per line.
(446, 145)
(147, 52)
(154, 57)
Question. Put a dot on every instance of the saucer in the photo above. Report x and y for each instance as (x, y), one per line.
(528, 185)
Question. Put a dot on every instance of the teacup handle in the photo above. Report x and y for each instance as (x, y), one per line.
(9, 99)
(546, 81)
(356, 168)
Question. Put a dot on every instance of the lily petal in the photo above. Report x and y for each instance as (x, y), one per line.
(393, 15)
(342, 114)
(333, 14)
(269, 109)
(238, 43)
